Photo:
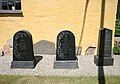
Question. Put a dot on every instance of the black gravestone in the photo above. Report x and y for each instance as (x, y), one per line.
(23, 56)
(104, 53)
(65, 52)
(65, 46)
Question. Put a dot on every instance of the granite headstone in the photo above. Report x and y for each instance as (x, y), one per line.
(104, 52)
(23, 56)
(65, 46)
(65, 51)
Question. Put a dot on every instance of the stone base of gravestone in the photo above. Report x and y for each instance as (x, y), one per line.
(23, 64)
(69, 64)
(106, 61)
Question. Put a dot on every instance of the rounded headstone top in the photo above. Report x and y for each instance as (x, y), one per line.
(23, 31)
(64, 32)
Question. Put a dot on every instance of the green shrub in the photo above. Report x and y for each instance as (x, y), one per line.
(116, 50)
(117, 27)
(117, 22)
(117, 32)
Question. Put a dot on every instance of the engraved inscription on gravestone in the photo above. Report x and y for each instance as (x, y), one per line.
(23, 50)
(65, 51)
(106, 42)
(65, 46)
(22, 46)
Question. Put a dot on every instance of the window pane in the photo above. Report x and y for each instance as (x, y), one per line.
(12, 1)
(4, 6)
(17, 0)
(18, 5)
(4, 0)
(11, 4)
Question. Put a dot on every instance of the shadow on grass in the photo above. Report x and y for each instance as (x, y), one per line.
(101, 76)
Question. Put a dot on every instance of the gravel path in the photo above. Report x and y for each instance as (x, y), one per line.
(45, 67)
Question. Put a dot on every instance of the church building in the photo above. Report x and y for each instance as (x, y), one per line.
(45, 19)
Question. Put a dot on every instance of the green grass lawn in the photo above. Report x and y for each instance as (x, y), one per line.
(17, 79)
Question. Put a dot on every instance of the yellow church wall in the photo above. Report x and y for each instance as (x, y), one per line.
(110, 16)
(44, 19)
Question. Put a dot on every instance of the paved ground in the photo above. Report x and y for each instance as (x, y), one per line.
(117, 39)
(45, 67)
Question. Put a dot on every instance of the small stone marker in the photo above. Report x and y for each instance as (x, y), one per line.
(23, 56)
(10, 42)
(90, 50)
(104, 53)
(6, 49)
(1, 52)
(65, 52)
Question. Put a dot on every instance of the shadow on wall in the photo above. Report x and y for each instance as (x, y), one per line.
(44, 47)
(11, 15)
(83, 26)
(78, 50)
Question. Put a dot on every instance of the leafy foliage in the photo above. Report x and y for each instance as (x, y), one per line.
(118, 12)
(117, 25)
(116, 50)
(117, 22)
(117, 32)
(117, 28)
